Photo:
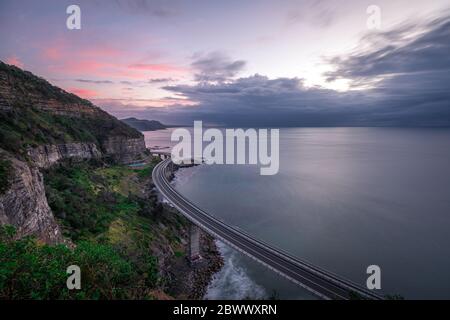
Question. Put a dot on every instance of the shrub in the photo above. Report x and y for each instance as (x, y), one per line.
(29, 270)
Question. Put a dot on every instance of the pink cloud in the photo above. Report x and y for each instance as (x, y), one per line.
(103, 60)
(52, 53)
(84, 93)
(90, 66)
(99, 68)
(101, 52)
(62, 50)
(15, 61)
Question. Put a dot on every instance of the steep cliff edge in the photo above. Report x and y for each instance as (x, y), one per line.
(41, 125)
(24, 204)
(47, 155)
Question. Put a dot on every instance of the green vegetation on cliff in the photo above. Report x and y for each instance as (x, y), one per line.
(34, 112)
(122, 239)
(31, 270)
(87, 199)
(24, 84)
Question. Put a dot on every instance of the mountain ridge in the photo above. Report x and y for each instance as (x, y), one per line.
(143, 124)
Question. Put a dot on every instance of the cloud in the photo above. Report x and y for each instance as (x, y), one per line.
(155, 67)
(86, 58)
(410, 65)
(62, 50)
(130, 83)
(15, 61)
(260, 101)
(397, 53)
(216, 66)
(84, 93)
(317, 13)
(161, 80)
(94, 81)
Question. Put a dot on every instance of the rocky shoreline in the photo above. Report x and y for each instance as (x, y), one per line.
(191, 281)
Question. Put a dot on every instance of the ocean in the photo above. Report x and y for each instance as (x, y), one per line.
(344, 199)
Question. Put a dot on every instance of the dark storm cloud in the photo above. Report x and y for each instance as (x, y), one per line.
(395, 52)
(216, 66)
(413, 73)
(411, 67)
(260, 101)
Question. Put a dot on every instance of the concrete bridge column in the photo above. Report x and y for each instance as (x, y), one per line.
(194, 243)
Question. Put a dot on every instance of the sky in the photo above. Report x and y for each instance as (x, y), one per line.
(242, 63)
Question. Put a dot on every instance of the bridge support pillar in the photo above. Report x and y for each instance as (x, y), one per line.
(194, 243)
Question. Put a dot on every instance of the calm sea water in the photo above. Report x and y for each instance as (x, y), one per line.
(344, 199)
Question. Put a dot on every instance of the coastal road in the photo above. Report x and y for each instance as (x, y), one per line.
(318, 281)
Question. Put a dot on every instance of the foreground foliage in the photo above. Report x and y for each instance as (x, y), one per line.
(31, 270)
(117, 230)
(87, 199)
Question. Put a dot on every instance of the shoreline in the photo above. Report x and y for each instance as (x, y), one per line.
(191, 281)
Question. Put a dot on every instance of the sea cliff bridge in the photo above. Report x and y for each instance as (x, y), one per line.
(321, 283)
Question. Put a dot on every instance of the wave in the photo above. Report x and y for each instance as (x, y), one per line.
(232, 282)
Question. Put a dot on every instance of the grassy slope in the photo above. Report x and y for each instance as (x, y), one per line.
(117, 228)
(121, 236)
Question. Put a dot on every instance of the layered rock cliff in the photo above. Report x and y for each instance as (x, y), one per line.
(24, 204)
(47, 155)
(122, 149)
(41, 125)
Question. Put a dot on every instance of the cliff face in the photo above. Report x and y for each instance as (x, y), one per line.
(47, 155)
(24, 204)
(40, 125)
(122, 149)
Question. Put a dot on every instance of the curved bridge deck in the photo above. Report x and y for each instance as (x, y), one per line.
(321, 283)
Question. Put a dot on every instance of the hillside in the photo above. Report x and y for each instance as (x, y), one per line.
(67, 196)
(40, 126)
(34, 113)
(127, 244)
(144, 125)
